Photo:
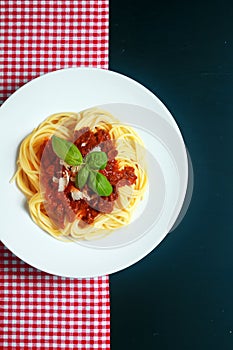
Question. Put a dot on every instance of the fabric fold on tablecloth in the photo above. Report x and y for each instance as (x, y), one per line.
(39, 310)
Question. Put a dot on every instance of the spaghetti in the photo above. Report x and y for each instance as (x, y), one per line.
(38, 171)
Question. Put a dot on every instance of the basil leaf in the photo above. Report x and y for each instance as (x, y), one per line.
(99, 184)
(81, 177)
(67, 151)
(91, 181)
(97, 160)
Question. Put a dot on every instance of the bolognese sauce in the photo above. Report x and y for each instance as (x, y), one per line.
(62, 198)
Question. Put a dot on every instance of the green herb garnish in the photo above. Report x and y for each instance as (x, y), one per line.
(67, 151)
(88, 173)
(99, 183)
(81, 177)
(96, 160)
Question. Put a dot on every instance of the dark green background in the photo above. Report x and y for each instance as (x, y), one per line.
(181, 295)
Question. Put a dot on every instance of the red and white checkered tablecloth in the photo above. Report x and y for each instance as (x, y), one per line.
(39, 36)
(38, 310)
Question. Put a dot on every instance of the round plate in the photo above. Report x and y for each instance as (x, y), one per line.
(76, 89)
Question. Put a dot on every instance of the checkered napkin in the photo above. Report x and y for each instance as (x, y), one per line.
(38, 310)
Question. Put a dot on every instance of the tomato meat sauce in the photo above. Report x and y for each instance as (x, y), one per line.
(59, 203)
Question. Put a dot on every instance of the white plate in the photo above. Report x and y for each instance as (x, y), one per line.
(76, 89)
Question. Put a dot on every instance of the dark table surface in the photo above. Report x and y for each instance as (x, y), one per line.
(181, 295)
